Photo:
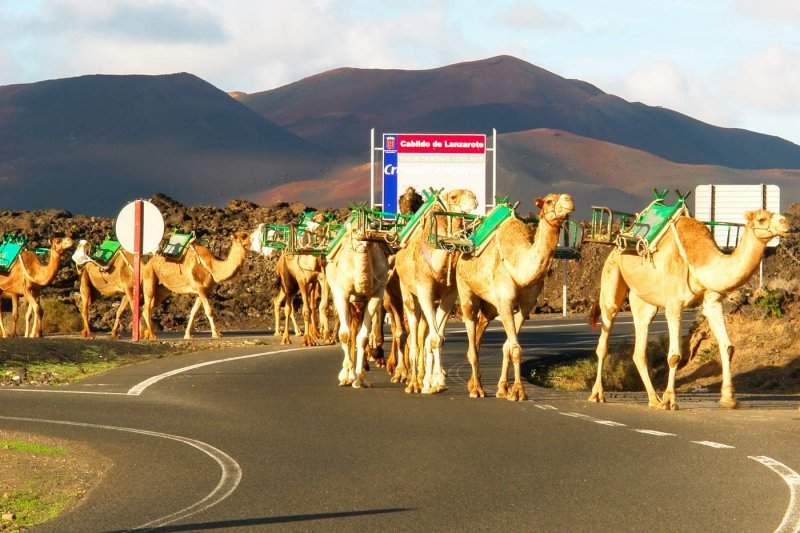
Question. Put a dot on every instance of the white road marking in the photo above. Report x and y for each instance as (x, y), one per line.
(547, 406)
(139, 388)
(712, 444)
(609, 423)
(576, 415)
(791, 520)
(654, 433)
(229, 480)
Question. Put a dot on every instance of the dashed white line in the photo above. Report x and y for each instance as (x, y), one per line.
(610, 423)
(229, 480)
(655, 433)
(712, 444)
(547, 407)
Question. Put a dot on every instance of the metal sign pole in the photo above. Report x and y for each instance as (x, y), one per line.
(137, 263)
(564, 290)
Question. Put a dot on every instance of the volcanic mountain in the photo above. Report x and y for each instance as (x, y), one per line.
(336, 109)
(91, 144)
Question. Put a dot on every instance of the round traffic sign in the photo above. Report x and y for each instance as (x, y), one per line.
(152, 227)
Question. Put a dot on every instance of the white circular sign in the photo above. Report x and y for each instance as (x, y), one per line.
(152, 227)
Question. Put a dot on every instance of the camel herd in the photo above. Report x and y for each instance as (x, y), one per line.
(416, 281)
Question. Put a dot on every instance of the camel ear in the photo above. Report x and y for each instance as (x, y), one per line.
(539, 202)
(748, 215)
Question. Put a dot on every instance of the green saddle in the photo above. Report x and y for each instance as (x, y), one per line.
(105, 253)
(10, 247)
(177, 244)
(651, 224)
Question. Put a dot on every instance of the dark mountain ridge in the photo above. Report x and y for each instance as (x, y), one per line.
(336, 109)
(92, 143)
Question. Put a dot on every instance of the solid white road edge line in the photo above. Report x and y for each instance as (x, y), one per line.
(229, 480)
(791, 520)
(139, 388)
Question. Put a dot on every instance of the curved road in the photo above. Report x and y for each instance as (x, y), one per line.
(261, 438)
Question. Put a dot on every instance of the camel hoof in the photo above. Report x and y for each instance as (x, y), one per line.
(285, 342)
(517, 394)
(597, 397)
(730, 403)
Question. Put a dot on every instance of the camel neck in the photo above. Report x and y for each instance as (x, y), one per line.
(723, 273)
(527, 262)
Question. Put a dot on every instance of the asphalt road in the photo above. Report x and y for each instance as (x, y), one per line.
(262, 439)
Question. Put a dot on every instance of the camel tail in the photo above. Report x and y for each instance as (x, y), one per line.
(594, 314)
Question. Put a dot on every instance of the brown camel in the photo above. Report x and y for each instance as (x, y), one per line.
(357, 271)
(505, 279)
(27, 277)
(197, 272)
(408, 204)
(687, 268)
(303, 273)
(114, 280)
(427, 279)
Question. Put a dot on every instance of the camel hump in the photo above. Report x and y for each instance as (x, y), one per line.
(696, 239)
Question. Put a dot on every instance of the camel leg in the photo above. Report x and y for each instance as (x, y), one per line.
(643, 314)
(413, 315)
(673, 312)
(399, 369)
(712, 309)
(324, 296)
(469, 313)
(14, 314)
(86, 301)
(195, 307)
(279, 300)
(363, 337)
(215, 333)
(612, 295)
(347, 374)
(512, 351)
(123, 304)
(310, 329)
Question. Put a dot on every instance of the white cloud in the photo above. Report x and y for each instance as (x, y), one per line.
(769, 81)
(665, 84)
(785, 11)
(529, 15)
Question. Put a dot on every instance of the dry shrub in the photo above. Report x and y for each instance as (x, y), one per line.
(59, 316)
(619, 370)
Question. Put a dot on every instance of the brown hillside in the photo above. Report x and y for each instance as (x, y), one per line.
(337, 109)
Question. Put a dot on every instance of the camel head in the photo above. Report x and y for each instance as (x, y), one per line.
(460, 201)
(555, 208)
(766, 224)
(60, 244)
(410, 201)
(243, 238)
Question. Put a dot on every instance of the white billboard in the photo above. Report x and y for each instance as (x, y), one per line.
(727, 203)
(441, 161)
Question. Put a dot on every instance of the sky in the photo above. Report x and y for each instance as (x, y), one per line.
(731, 63)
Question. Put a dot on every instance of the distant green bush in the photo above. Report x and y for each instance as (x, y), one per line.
(771, 302)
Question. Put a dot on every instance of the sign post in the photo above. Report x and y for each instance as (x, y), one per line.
(139, 228)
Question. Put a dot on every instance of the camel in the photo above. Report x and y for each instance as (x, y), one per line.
(356, 272)
(505, 279)
(197, 272)
(687, 268)
(303, 273)
(427, 280)
(408, 203)
(27, 277)
(114, 280)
